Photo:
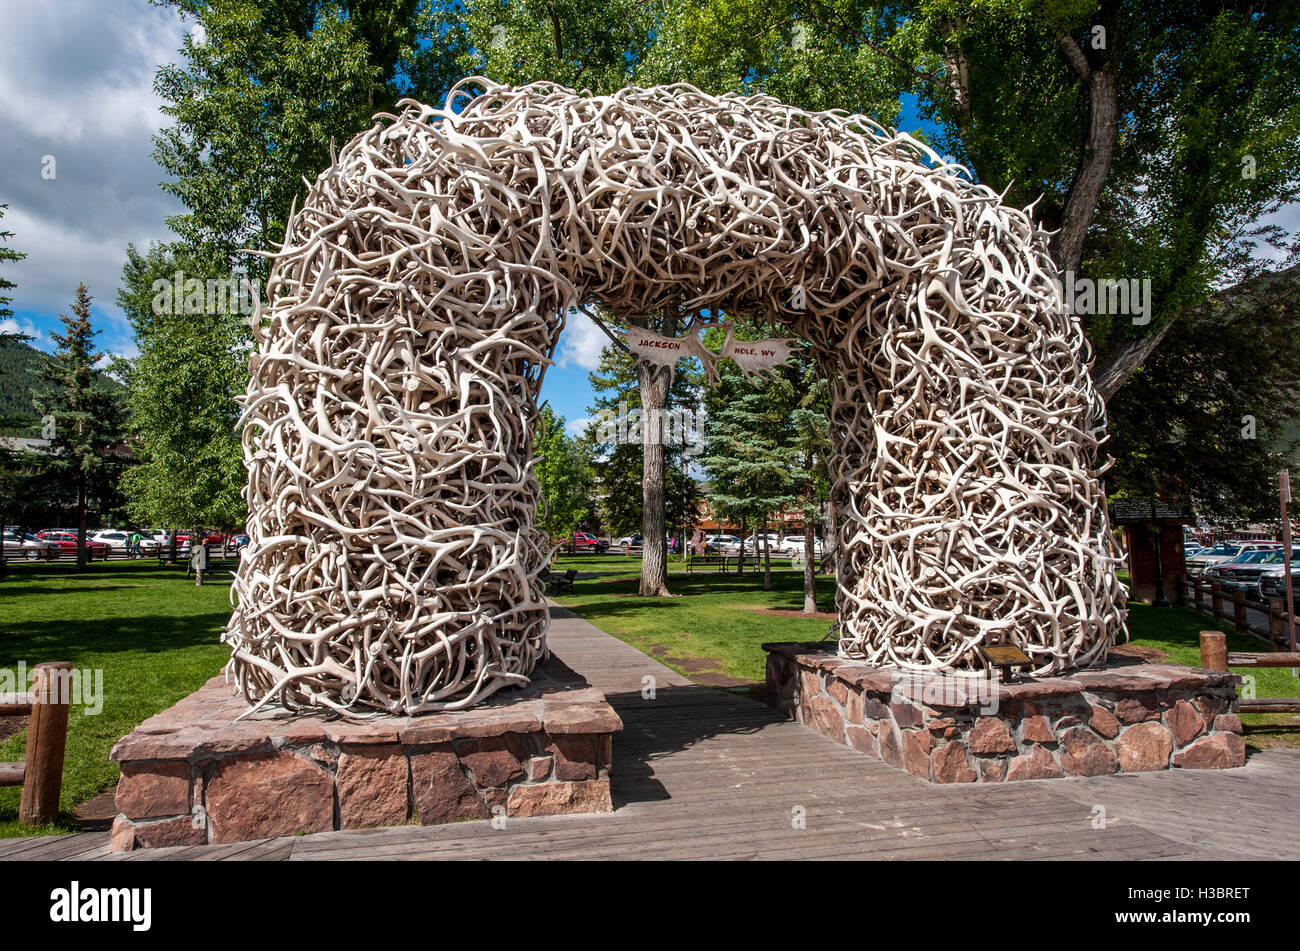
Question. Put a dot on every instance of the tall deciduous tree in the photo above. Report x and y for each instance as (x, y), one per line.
(87, 416)
(563, 472)
(183, 387)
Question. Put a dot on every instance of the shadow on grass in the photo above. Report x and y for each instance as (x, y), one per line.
(151, 634)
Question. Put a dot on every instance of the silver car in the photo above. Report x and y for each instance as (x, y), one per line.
(29, 547)
(1224, 551)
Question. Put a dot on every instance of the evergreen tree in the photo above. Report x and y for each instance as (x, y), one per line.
(87, 416)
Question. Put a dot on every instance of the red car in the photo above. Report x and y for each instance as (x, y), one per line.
(584, 541)
(68, 544)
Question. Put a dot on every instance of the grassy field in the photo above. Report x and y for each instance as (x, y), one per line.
(154, 636)
(152, 633)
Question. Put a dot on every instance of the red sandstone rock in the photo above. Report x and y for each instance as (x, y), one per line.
(122, 838)
(1143, 747)
(372, 783)
(991, 735)
(906, 714)
(442, 793)
(1083, 753)
(1103, 722)
(1216, 751)
(810, 683)
(992, 771)
(861, 739)
(853, 706)
(891, 745)
(554, 799)
(1211, 706)
(940, 725)
(1037, 729)
(839, 690)
(827, 719)
(1038, 763)
(575, 756)
(179, 831)
(539, 768)
(489, 760)
(1184, 723)
(268, 794)
(916, 752)
(153, 790)
(949, 764)
(1137, 708)
(1227, 722)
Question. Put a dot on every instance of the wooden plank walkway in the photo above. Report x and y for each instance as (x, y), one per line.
(703, 774)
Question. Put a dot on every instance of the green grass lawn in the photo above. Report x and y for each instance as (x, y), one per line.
(150, 630)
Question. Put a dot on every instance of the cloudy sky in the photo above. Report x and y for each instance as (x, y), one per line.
(76, 96)
(77, 100)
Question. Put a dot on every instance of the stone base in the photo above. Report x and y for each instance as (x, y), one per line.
(1130, 717)
(191, 775)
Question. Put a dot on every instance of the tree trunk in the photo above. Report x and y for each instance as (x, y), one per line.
(654, 552)
(81, 522)
(740, 554)
(767, 558)
(809, 567)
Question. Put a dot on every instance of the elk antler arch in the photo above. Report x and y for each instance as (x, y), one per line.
(394, 556)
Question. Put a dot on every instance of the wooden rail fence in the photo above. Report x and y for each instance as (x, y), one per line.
(41, 774)
(1215, 656)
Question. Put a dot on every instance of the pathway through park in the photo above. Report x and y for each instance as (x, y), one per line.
(704, 774)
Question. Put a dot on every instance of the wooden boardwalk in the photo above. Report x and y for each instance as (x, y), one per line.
(703, 774)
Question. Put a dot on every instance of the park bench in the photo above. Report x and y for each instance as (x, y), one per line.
(716, 560)
(41, 774)
(557, 584)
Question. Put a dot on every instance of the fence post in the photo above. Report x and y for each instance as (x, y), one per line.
(1239, 609)
(1198, 591)
(1214, 650)
(1216, 600)
(47, 738)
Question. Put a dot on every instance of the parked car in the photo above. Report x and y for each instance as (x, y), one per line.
(113, 538)
(585, 541)
(1224, 551)
(723, 544)
(67, 542)
(794, 545)
(29, 546)
(755, 541)
(1272, 581)
(1244, 571)
(629, 541)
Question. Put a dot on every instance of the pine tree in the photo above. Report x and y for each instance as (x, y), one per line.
(87, 416)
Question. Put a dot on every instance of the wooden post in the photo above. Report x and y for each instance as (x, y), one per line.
(1275, 620)
(1216, 600)
(1239, 610)
(1199, 592)
(47, 737)
(1214, 650)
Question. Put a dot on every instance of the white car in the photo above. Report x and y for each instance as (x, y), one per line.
(794, 545)
(725, 544)
(757, 541)
(112, 538)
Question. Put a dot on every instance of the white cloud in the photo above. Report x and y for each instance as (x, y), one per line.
(12, 326)
(581, 342)
(576, 427)
(76, 83)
